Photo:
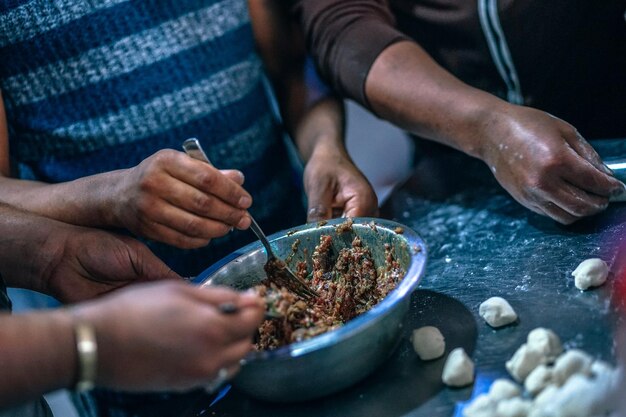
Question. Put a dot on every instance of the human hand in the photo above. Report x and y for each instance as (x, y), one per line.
(169, 336)
(175, 199)
(92, 262)
(335, 186)
(546, 165)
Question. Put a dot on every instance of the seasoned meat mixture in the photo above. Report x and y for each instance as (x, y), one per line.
(348, 284)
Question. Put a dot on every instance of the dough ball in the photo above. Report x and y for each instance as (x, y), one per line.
(608, 390)
(538, 379)
(545, 396)
(428, 343)
(537, 412)
(458, 370)
(523, 362)
(590, 273)
(514, 407)
(599, 368)
(497, 312)
(574, 399)
(481, 406)
(545, 341)
(503, 389)
(572, 362)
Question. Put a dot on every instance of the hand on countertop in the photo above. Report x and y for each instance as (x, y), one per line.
(546, 165)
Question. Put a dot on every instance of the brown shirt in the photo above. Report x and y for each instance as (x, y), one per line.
(568, 56)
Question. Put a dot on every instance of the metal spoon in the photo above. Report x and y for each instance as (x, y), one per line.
(276, 269)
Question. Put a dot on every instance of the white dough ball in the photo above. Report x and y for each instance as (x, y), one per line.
(502, 389)
(545, 396)
(590, 273)
(572, 362)
(538, 379)
(523, 362)
(537, 412)
(458, 370)
(608, 389)
(514, 407)
(497, 312)
(545, 341)
(573, 399)
(599, 367)
(428, 343)
(481, 406)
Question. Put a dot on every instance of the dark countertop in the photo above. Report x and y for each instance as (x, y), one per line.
(481, 244)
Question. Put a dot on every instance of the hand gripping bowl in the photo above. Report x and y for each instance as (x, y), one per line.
(331, 361)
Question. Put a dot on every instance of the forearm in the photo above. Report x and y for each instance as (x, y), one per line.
(30, 247)
(407, 87)
(321, 129)
(37, 355)
(86, 201)
(362, 54)
(4, 138)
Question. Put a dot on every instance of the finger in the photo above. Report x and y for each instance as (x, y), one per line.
(192, 200)
(210, 180)
(162, 233)
(580, 173)
(577, 202)
(243, 324)
(585, 150)
(216, 295)
(233, 327)
(232, 369)
(235, 175)
(362, 203)
(250, 299)
(233, 354)
(150, 268)
(553, 211)
(189, 224)
(320, 200)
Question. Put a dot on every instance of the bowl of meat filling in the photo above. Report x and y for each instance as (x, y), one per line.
(363, 270)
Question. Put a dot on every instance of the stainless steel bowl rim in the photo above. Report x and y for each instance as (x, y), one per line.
(407, 285)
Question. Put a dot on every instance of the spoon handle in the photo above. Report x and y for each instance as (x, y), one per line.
(193, 148)
(259, 233)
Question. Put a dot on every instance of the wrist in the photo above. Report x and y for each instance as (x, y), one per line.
(62, 361)
(321, 129)
(102, 371)
(110, 197)
(491, 126)
(87, 356)
(327, 146)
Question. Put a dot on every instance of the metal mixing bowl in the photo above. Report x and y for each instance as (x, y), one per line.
(332, 361)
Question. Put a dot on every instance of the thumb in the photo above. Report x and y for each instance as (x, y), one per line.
(320, 201)
(151, 268)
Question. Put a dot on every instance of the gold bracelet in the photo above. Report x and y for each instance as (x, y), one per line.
(87, 350)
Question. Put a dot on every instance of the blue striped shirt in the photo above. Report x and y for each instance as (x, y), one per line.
(97, 85)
